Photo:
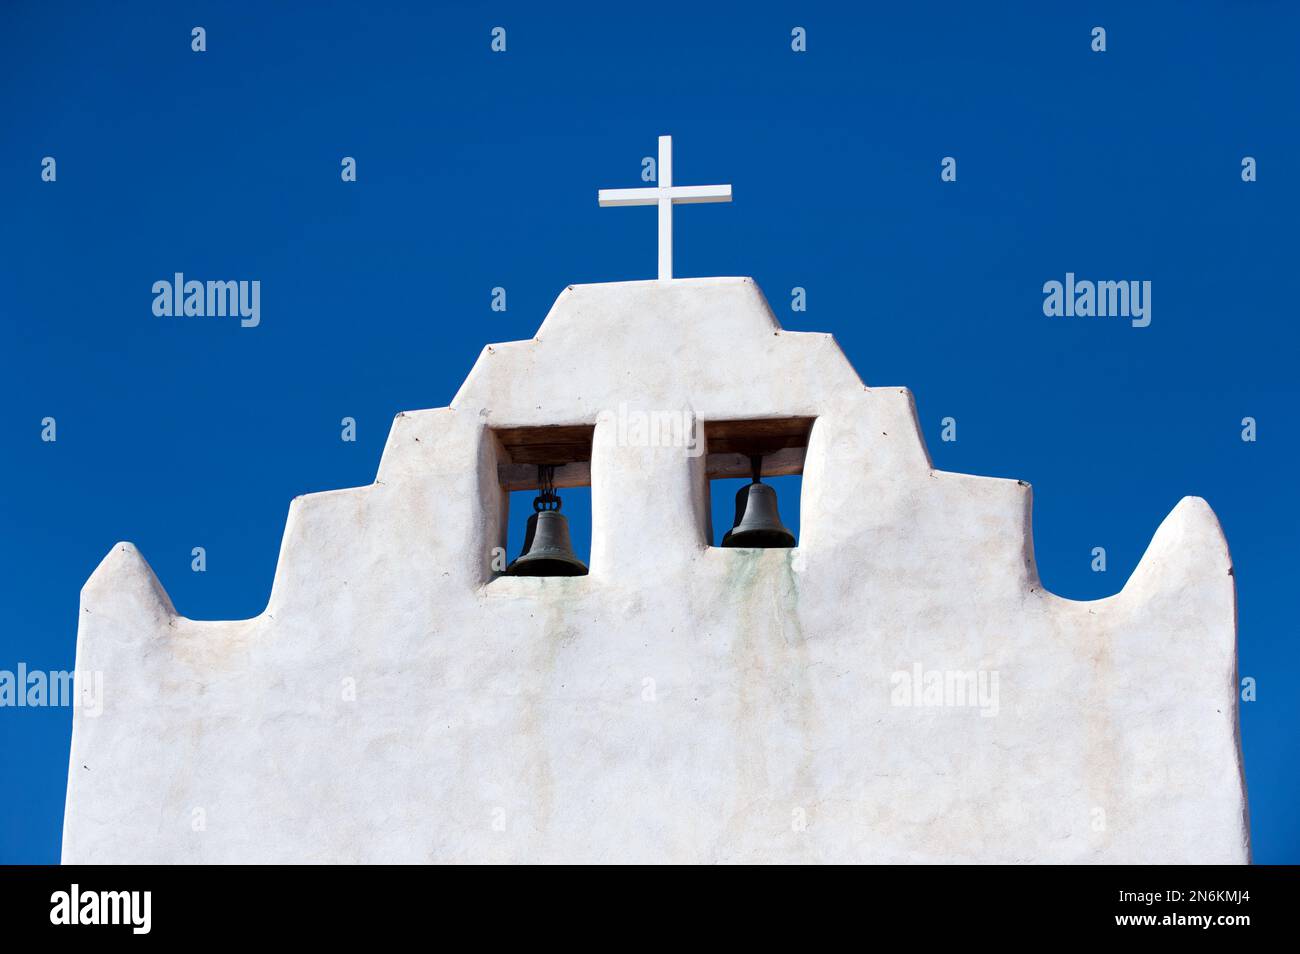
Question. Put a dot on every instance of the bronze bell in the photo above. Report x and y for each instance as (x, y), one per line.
(547, 550)
(757, 524)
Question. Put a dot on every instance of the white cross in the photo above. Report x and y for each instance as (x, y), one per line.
(665, 195)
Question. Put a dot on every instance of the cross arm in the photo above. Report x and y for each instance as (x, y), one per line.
(615, 197)
(689, 195)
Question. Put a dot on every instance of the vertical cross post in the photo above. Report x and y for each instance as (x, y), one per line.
(665, 179)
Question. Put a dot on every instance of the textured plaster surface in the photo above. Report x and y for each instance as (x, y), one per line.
(682, 702)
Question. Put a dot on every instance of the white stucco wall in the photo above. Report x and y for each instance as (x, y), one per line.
(508, 719)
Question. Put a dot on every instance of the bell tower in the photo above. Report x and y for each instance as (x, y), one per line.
(897, 687)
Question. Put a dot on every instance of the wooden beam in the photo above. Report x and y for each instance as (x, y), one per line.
(781, 442)
(782, 463)
(524, 476)
(763, 436)
(560, 444)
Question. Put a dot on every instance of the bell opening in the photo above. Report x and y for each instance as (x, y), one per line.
(755, 473)
(545, 519)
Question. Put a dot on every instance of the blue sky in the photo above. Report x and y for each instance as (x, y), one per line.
(478, 170)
